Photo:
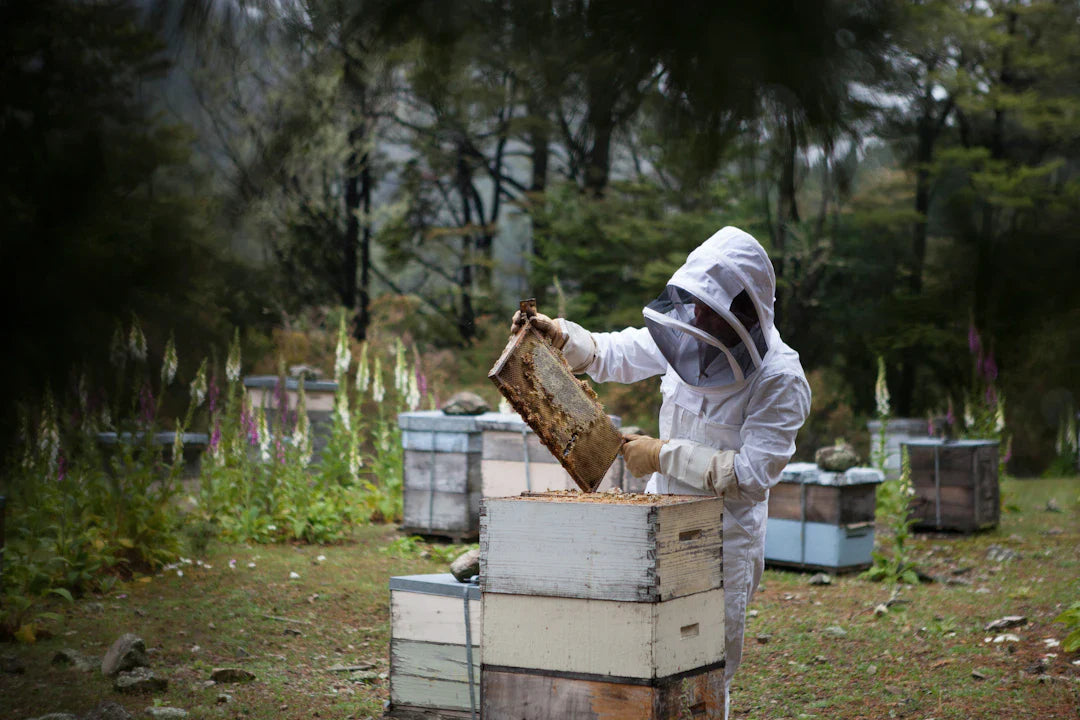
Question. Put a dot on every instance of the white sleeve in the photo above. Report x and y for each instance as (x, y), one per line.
(625, 356)
(699, 466)
(776, 411)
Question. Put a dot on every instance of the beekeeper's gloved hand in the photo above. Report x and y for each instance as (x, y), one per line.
(642, 454)
(549, 328)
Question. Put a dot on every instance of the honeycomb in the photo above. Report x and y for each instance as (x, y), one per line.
(563, 411)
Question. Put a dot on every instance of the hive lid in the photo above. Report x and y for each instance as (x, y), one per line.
(435, 584)
(563, 411)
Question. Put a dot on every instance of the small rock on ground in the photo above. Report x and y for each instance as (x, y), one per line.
(166, 713)
(998, 553)
(821, 579)
(835, 631)
(140, 680)
(73, 658)
(466, 565)
(231, 675)
(1007, 622)
(127, 653)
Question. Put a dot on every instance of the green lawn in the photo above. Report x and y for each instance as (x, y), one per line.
(927, 657)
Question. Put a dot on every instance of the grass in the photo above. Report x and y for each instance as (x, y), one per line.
(918, 660)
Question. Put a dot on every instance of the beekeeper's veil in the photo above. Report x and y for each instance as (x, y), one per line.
(713, 322)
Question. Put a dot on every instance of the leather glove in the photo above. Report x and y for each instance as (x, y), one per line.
(642, 454)
(544, 325)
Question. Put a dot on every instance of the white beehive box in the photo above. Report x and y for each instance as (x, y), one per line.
(822, 520)
(435, 636)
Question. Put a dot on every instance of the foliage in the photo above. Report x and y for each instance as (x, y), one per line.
(893, 513)
(412, 546)
(79, 513)
(1071, 618)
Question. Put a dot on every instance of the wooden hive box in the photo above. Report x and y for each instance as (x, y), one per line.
(435, 635)
(822, 520)
(318, 397)
(515, 461)
(602, 605)
(442, 483)
(897, 431)
(545, 696)
(637, 548)
(955, 483)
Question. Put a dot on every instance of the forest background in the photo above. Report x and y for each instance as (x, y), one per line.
(913, 169)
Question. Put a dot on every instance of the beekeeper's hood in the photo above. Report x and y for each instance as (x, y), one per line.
(714, 320)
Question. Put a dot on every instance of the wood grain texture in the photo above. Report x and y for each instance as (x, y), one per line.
(432, 693)
(501, 445)
(835, 505)
(604, 551)
(446, 512)
(453, 471)
(823, 546)
(531, 696)
(505, 478)
(434, 660)
(433, 618)
(961, 493)
(602, 637)
(411, 712)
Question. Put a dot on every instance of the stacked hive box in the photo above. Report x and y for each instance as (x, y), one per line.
(434, 647)
(602, 606)
(955, 483)
(897, 431)
(453, 460)
(263, 391)
(822, 520)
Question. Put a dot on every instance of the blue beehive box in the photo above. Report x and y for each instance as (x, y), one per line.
(820, 520)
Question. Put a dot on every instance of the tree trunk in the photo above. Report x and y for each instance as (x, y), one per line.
(364, 315)
(787, 205)
(466, 315)
(350, 241)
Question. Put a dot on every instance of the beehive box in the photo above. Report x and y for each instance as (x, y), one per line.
(515, 461)
(897, 431)
(442, 483)
(955, 483)
(633, 548)
(435, 635)
(822, 520)
(450, 461)
(602, 605)
(531, 695)
(262, 391)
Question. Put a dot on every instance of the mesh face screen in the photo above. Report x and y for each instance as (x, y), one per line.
(564, 412)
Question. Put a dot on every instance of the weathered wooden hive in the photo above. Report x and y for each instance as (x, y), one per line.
(435, 626)
(602, 605)
(822, 520)
(263, 391)
(955, 483)
(897, 431)
(452, 460)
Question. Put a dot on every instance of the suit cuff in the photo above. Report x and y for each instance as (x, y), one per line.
(699, 466)
(580, 348)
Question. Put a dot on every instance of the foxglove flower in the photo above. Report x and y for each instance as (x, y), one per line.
(169, 363)
(413, 396)
(232, 362)
(377, 389)
(969, 417)
(342, 354)
(341, 410)
(302, 432)
(989, 368)
(881, 390)
(999, 416)
(178, 443)
(198, 386)
(974, 343)
(401, 368)
(363, 378)
(264, 437)
(137, 341)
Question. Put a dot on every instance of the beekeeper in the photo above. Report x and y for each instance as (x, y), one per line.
(734, 397)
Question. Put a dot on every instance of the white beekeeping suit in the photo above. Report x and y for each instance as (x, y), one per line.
(734, 397)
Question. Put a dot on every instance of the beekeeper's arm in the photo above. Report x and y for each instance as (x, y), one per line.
(625, 356)
(775, 413)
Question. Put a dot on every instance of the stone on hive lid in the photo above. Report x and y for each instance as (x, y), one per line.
(836, 458)
(466, 403)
